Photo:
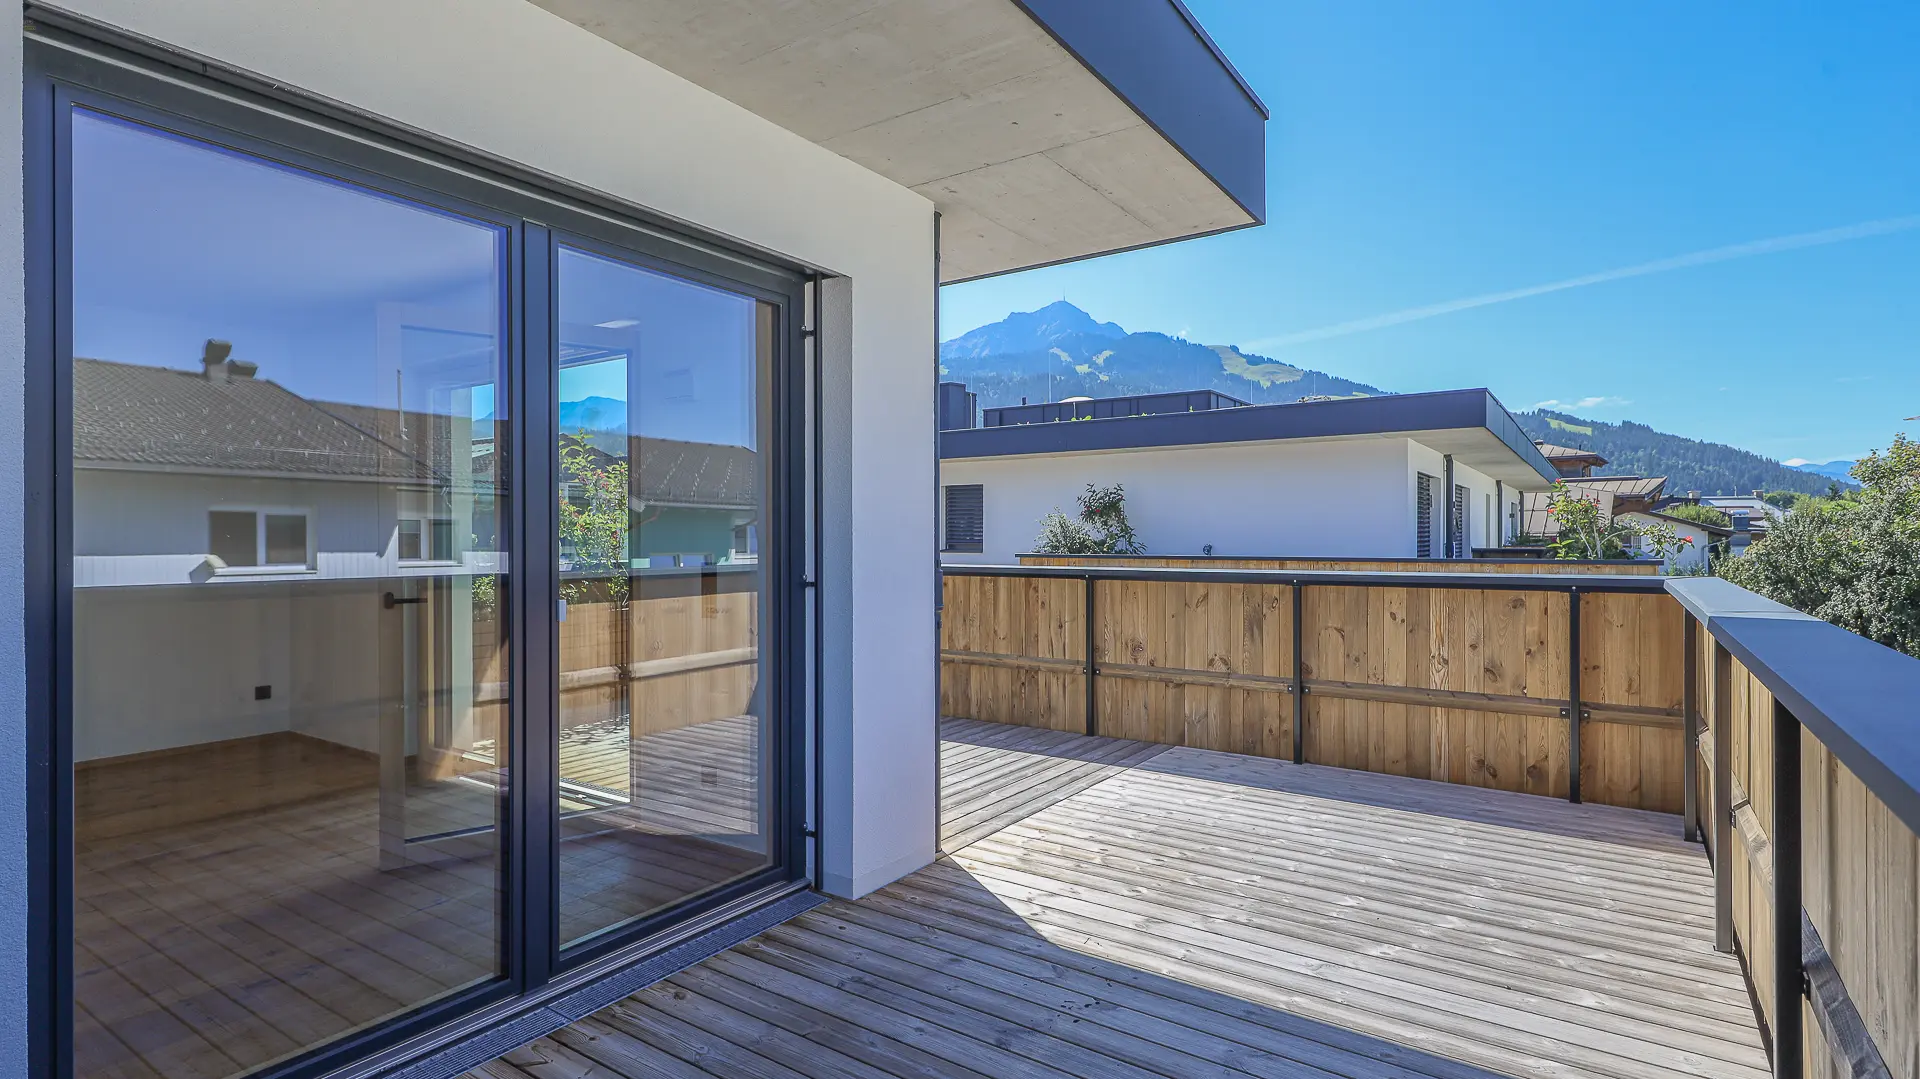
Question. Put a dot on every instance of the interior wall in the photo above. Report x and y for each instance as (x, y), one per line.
(510, 79)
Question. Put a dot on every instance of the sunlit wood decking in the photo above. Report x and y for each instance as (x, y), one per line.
(1114, 909)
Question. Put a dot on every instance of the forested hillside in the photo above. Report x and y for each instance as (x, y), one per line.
(1689, 464)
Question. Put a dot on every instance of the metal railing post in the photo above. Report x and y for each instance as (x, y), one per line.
(1722, 811)
(1690, 715)
(1093, 708)
(1789, 973)
(1299, 679)
(1573, 694)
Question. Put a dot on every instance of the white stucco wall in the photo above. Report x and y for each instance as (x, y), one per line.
(513, 80)
(1481, 498)
(1348, 498)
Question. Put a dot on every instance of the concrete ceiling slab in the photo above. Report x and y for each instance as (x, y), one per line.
(1031, 155)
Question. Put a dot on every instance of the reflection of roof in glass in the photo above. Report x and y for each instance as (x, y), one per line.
(136, 415)
(679, 473)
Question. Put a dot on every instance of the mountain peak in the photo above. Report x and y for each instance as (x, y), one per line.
(1024, 331)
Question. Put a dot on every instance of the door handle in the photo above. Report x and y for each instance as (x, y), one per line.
(390, 601)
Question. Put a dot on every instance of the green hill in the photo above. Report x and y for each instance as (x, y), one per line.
(1689, 464)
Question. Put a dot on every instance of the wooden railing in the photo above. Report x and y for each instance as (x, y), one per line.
(1578, 567)
(1457, 677)
(1809, 765)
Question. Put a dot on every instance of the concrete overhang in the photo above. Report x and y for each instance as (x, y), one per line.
(1043, 130)
(1472, 425)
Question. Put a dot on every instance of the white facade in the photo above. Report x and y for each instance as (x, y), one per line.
(1345, 498)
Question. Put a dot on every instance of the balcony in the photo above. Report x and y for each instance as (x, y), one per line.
(1358, 824)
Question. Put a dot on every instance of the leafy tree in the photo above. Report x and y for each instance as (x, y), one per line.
(1061, 534)
(1101, 528)
(1700, 515)
(1584, 532)
(1853, 561)
(594, 519)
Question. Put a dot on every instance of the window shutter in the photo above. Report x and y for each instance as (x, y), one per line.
(965, 528)
(1423, 516)
(1460, 496)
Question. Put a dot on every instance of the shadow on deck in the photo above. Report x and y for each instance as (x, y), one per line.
(1109, 908)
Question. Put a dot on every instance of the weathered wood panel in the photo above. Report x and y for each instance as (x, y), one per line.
(998, 621)
(1503, 644)
(1383, 565)
(1193, 630)
(1632, 666)
(1861, 869)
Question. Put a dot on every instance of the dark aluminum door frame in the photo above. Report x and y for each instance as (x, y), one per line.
(68, 64)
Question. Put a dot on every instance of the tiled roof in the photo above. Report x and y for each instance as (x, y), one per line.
(131, 414)
(692, 473)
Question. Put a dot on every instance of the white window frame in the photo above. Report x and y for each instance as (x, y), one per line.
(260, 514)
(426, 558)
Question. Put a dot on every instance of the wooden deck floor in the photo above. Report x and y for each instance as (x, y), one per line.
(1127, 911)
(210, 948)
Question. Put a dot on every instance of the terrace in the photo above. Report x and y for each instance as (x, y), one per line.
(1410, 824)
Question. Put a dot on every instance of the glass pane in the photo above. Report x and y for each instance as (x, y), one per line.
(286, 782)
(663, 777)
(234, 538)
(410, 540)
(286, 540)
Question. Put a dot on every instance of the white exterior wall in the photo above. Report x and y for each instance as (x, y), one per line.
(513, 80)
(1691, 557)
(1350, 498)
(1480, 532)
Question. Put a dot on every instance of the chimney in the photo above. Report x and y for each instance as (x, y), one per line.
(956, 407)
(1693, 497)
(213, 359)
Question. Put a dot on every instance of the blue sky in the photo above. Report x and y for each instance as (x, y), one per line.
(1701, 216)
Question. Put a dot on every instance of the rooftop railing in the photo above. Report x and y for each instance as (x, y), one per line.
(1794, 746)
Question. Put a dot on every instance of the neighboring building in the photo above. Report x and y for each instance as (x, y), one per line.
(1639, 499)
(1569, 462)
(1416, 475)
(1753, 516)
(348, 723)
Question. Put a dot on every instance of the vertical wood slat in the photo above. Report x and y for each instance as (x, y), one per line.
(1575, 714)
(1690, 715)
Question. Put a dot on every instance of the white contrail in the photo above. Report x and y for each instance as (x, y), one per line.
(1677, 262)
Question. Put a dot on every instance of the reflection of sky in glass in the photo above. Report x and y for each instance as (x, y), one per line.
(331, 289)
(690, 353)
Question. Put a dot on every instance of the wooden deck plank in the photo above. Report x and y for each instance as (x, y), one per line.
(1126, 909)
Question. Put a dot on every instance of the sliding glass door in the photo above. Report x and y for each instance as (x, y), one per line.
(421, 555)
(663, 722)
(287, 702)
